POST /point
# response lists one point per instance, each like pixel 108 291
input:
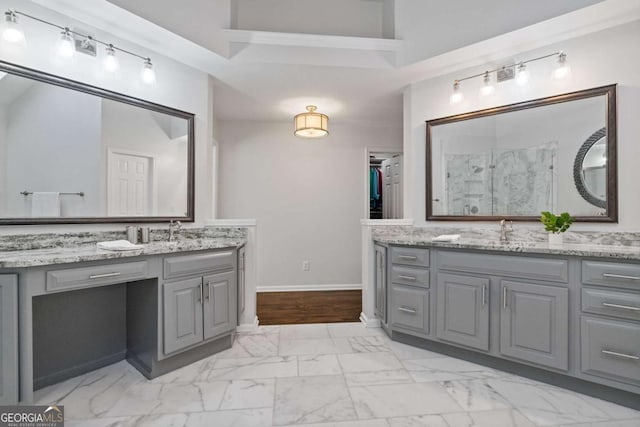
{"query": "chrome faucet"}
pixel 174 227
pixel 505 227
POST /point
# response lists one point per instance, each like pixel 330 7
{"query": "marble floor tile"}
pixel 475 395
pixel 296 332
pixel 294 347
pixel 495 418
pixel 398 400
pixel 305 400
pixel 360 379
pixel 419 421
pixel 439 369
pixel 617 423
pixel 198 371
pixel 323 364
pixel 252 345
pixel 367 362
pixel 249 394
pixel 356 329
pixel 545 405
pixel 369 344
pixel 254 368
pixel 211 393
pixel 406 352
pixel 239 418
pixel 150 398
pixel 360 423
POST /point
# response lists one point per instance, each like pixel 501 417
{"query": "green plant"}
pixel 556 223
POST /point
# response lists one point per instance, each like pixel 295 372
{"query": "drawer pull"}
pixel 408 257
pixel 484 295
pixel 620 276
pixel 407 310
pixel 621 307
pixel 621 355
pixel 504 297
pixel 403 277
pixel 100 276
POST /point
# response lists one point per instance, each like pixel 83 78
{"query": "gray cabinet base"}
pixel 161 367
pixel 599 391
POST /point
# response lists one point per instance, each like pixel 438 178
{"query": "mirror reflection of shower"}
pixel 385 185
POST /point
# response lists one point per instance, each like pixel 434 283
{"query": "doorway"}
pixel 384 172
pixel 128 183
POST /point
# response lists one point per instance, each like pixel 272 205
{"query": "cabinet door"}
pixel 381 282
pixel 241 283
pixel 8 339
pixel 182 314
pixel 534 323
pixel 219 314
pixel 463 310
pixel 409 309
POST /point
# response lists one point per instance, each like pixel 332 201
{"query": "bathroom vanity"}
pixel 72 309
pixel 570 316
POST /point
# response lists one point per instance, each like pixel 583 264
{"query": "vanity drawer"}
pixel 611 274
pixel 611 349
pixel 410 276
pixel 614 303
pixel 548 269
pixel 189 265
pixel 410 308
pixel 410 256
pixel 97 275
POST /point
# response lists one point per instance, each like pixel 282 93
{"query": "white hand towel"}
pixel 119 245
pixel 446 238
pixel 45 205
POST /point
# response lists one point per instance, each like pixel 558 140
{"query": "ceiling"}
pixel 350 74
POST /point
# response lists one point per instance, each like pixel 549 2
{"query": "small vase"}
pixel 555 240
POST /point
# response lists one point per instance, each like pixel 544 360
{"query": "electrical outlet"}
pixel 305 266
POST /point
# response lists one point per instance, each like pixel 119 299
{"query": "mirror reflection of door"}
pixel 385 185
pixel 128 184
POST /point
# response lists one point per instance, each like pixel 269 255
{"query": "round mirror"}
pixel 590 169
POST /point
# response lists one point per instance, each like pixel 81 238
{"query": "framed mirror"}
pixel 553 154
pixel 74 153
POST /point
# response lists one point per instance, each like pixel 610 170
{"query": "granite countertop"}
pixel 89 252
pixel 595 250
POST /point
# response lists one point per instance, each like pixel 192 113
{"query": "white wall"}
pixel 430 28
pixel 53 144
pixel 178 86
pixel 359 18
pixel 606 57
pixel 307 196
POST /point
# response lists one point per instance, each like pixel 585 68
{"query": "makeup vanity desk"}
pixel 72 309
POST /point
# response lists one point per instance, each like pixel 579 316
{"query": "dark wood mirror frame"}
pixel 612 171
pixel 115 96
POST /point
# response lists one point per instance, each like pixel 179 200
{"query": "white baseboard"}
pixel 246 328
pixel 304 288
pixel 369 323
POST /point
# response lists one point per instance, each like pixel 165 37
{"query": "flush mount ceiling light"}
pixel 519 72
pixel 311 124
pixel 66 47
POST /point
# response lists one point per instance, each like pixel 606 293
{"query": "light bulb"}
pixel 12 31
pixel 457 95
pixel 110 60
pixel 563 69
pixel 488 88
pixel 522 74
pixel 66 47
pixel 147 74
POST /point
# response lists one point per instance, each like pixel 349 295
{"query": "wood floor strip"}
pixel 283 308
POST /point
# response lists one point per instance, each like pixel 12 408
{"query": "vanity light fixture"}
pixel 311 124
pixel 519 71
pixel 12 32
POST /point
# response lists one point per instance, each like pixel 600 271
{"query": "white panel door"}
pixel 128 186
pixel 396 182
pixel 387 189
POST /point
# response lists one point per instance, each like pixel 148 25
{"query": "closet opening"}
pixel 385 185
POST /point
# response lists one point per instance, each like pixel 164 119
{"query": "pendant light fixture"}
pixel 148 74
pixel 562 68
pixel 487 88
pixel 65 44
pixel 311 124
pixel 457 95
pixel 11 30
pixel 110 60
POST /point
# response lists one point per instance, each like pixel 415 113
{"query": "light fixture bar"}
pixel 510 66
pixel 85 36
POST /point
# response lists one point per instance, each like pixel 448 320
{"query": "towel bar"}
pixel 79 193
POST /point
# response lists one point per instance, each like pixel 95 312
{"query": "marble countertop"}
pixel 534 247
pixel 89 252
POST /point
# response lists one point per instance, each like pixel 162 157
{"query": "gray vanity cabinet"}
pixel 219 307
pixel 534 323
pixel 183 310
pixel 463 310
pixel 8 339
pixel 241 283
pixel 380 279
